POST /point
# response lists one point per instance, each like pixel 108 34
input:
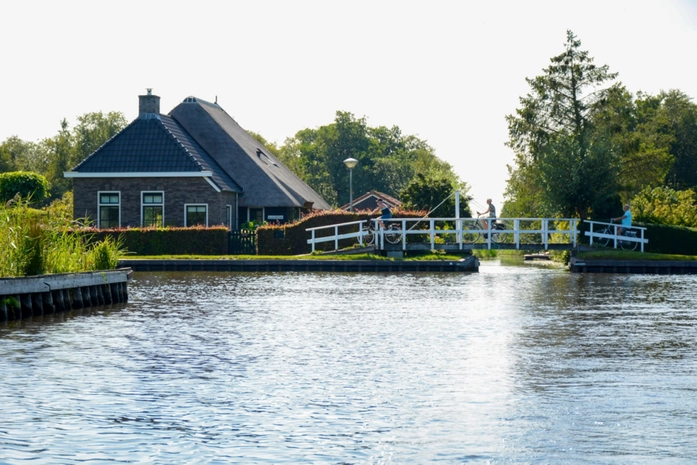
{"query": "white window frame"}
pixel 143 205
pixel 186 208
pixel 228 216
pixel 100 205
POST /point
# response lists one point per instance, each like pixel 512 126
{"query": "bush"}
pixel 21 184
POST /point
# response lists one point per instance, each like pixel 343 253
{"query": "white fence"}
pixel 599 232
pixel 517 232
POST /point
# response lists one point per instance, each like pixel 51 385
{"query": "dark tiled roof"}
pixel 265 180
pixel 154 144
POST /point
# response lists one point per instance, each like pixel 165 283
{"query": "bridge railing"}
pixel 521 232
pixel 599 230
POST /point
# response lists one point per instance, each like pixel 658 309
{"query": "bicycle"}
pixel 473 231
pixel 393 233
pixel 624 245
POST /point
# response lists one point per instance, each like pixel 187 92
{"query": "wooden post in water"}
pixel 77 298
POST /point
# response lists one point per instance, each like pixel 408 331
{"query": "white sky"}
pixel 445 71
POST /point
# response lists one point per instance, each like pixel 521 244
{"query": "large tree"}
pixel 564 165
pixel 387 159
pixel 680 114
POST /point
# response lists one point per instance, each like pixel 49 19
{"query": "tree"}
pixel 387 159
pixel 19 155
pixel 435 195
pixel 664 205
pixel 680 114
pixel 564 166
pixel 68 148
pixel 93 130
pixel 639 134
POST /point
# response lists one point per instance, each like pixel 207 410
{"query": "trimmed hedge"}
pixel 168 241
pixel 291 238
pixel 670 239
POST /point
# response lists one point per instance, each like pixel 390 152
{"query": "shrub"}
pixel 23 184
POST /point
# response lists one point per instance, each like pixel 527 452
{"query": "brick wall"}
pixel 177 192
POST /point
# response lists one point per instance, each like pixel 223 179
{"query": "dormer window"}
pixel 265 158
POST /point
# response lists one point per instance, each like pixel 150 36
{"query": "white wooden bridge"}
pixel 451 234
pixel 459 234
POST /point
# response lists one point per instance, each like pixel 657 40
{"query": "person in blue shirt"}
pixel 385 211
pixel 626 220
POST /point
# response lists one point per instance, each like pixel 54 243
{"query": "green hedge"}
pixel 670 239
pixel 28 185
pixel 291 238
pixel 168 241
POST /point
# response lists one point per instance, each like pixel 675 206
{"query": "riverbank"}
pixel 466 264
pixel 45 294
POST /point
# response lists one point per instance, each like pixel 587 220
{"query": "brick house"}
pixel 195 166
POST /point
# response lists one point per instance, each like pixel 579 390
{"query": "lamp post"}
pixel 350 164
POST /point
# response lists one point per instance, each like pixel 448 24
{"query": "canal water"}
pixel 514 364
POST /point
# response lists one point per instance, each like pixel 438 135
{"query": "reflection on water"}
pixel 514 364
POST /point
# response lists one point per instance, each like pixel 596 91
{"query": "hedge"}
pixel 291 238
pixel 168 241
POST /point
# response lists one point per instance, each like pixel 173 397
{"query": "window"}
pixel 109 210
pixel 153 214
pixel 228 216
pixel 256 215
pixel 196 215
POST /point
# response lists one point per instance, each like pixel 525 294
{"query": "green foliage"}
pixel 428 194
pixel 198 240
pixel 387 159
pixel 105 254
pixel 52 156
pixel 663 205
pixel 667 239
pixel 31 186
pixel 681 116
pixel 38 242
pixel 564 166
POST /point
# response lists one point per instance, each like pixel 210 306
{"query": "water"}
pixel 514 364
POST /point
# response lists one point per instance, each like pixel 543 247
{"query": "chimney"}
pixel 148 104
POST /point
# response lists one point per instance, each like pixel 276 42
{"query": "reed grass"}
pixel 34 242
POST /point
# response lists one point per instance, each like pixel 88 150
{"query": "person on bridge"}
pixel 385 211
pixel 626 220
pixel 490 212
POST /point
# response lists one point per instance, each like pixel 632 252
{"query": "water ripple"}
pixel 514 364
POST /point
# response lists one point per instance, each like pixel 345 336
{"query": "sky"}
pixel 447 72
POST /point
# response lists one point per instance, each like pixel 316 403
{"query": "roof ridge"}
pixel 186 151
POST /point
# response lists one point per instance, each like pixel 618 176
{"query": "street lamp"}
pixel 350 164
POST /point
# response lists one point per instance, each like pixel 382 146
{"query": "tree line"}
pixel 400 165
pixel 584 144
pixel 52 156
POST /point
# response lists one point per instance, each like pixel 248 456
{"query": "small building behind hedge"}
pixel 194 167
